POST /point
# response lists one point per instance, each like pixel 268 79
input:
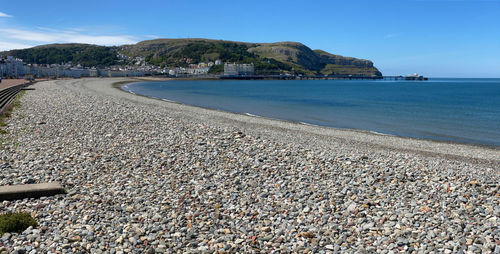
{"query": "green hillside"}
pixel 182 52
pixel 292 57
pixel 84 54
pixel 268 58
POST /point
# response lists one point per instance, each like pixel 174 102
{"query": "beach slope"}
pixel 145 174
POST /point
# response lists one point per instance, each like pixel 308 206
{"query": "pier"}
pixel 419 78
pixel 321 77
pixel 299 77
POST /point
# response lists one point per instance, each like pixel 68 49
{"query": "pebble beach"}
pixel 149 176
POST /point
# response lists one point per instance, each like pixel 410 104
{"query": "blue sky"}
pixel 436 38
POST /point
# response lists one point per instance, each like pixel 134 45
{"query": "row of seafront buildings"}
pixel 192 69
pixel 182 71
pixel 230 69
pixel 11 67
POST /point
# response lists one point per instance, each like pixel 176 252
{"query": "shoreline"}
pixel 328 129
pixel 144 175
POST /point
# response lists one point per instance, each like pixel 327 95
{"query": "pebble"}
pixel 145 176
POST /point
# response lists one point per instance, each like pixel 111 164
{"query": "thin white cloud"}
pixel 46 36
pixel 4 15
pixel 26 35
pixel 5 45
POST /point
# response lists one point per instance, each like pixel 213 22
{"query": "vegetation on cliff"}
pixel 269 58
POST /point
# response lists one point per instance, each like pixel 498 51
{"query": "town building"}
pixel 238 69
pixel 11 67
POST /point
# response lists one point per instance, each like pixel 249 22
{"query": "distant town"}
pixel 11 67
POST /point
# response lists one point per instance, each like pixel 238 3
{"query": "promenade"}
pixel 6 83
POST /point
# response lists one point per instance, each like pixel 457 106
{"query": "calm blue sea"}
pixel 459 110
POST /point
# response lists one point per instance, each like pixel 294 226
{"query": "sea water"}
pixel 458 110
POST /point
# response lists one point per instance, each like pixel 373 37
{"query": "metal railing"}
pixel 7 95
